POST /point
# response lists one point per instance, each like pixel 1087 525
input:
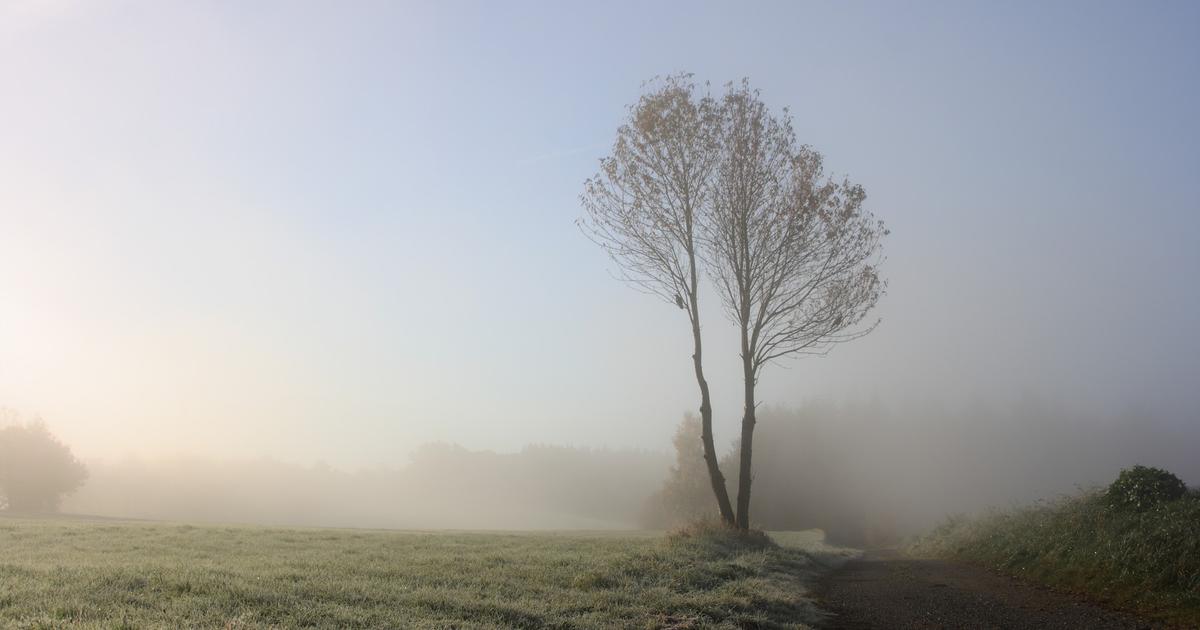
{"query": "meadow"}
pixel 83 573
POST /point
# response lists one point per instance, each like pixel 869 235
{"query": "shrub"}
pixel 1143 488
pixel 1142 554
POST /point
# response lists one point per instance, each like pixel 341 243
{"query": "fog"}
pixel 444 486
pixel 864 472
pixel 257 263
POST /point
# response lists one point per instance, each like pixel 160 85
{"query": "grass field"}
pixel 117 574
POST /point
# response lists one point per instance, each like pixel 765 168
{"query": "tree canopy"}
pixel 36 469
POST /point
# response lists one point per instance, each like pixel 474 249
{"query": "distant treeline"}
pixel 445 486
pixel 865 473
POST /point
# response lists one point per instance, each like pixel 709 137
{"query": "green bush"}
pixel 1144 488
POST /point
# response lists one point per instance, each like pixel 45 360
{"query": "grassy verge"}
pixel 1147 561
pixel 56 573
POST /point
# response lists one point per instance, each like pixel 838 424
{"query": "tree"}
pixel 686 494
pixel 36 469
pixel 644 209
pixel 793 252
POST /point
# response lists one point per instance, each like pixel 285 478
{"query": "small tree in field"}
pixel 645 206
pixel 36 469
pixel 793 252
pixel 685 495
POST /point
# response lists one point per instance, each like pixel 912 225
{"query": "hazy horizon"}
pixel 327 233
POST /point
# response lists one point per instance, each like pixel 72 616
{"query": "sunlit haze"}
pixel 336 232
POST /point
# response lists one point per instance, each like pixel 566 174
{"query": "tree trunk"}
pixel 30 503
pixel 706 434
pixel 744 468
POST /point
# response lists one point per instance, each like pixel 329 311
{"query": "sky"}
pixel 337 231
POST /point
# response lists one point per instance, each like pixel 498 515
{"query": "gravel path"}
pixel 886 591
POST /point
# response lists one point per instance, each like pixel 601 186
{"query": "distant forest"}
pixel 863 472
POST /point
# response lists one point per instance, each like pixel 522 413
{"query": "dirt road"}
pixel 886 591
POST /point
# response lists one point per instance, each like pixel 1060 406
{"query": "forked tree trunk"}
pixel 706 434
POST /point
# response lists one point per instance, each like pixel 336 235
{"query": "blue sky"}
pixel 338 230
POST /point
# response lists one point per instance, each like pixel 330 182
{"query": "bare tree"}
pixel 794 253
pixel 644 208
